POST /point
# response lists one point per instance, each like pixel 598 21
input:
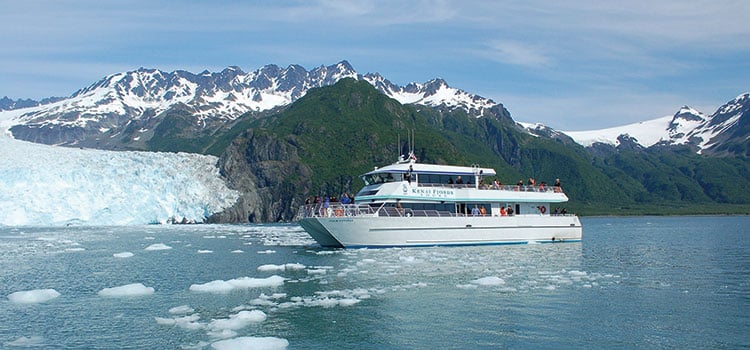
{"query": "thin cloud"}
pixel 517 53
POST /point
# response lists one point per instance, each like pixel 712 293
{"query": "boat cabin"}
pixel 441 190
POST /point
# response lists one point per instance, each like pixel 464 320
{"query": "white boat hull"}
pixel 374 231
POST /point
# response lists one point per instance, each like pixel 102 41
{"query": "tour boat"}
pixel 409 204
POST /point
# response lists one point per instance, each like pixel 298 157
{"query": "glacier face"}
pixel 43 185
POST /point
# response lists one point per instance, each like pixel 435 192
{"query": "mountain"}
pixel 324 140
pixel 724 133
pixel 128 110
pixel 6 104
pixel 285 134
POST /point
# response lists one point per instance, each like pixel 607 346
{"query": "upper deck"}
pixel 414 182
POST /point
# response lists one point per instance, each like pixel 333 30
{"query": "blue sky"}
pixel 572 65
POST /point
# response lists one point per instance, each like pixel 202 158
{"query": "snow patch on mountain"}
pixel 648 133
pixel 686 127
pixel 145 93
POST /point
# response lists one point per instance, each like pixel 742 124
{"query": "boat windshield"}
pixel 379 178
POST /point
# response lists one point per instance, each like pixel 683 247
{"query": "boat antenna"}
pixel 413 141
pixel 398 147
pixel 412 156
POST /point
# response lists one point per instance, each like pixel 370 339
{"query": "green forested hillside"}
pixel 341 131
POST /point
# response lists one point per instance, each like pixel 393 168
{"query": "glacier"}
pixel 42 185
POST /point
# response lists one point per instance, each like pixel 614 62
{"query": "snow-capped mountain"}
pixel 126 104
pixel 707 134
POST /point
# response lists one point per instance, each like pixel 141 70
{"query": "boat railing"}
pixel 334 209
pixel 321 210
pixel 515 188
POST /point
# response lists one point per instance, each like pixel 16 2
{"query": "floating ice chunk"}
pixel 237 321
pixel 32 341
pixel 271 267
pixel 247 282
pixel 260 343
pixel 285 267
pixel 182 309
pixel 489 281
pixel 128 290
pixel 123 255
pixel 188 322
pixel 33 296
pixel 158 246
pixel 217 286
pixel 220 286
pixel 203 251
pixel 407 259
pixel 295 266
pixel 348 301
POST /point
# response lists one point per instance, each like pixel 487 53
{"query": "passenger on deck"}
pixel 324 209
pixel 345 199
pixel 450 181
pixel 475 211
pixel 483 211
pixel 496 185
pixel 503 212
pixel 458 180
pixel 557 185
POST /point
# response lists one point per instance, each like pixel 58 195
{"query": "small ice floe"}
pixel 220 286
pixel 128 290
pixel 33 296
pixel 408 259
pixel 285 267
pixel 181 310
pixel 189 322
pixel 205 251
pixel 267 300
pixel 158 246
pixel 489 281
pixel 24 342
pixel 467 286
pixel 266 343
pixel 237 321
pixel 123 255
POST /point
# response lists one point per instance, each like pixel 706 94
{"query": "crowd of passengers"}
pixel 520 186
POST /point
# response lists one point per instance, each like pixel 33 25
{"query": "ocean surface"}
pixel 640 282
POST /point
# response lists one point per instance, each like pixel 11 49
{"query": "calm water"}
pixel 648 282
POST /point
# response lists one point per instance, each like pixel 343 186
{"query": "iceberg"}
pixel 45 185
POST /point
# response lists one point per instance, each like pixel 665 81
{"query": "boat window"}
pixel 379 178
pixel 430 206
